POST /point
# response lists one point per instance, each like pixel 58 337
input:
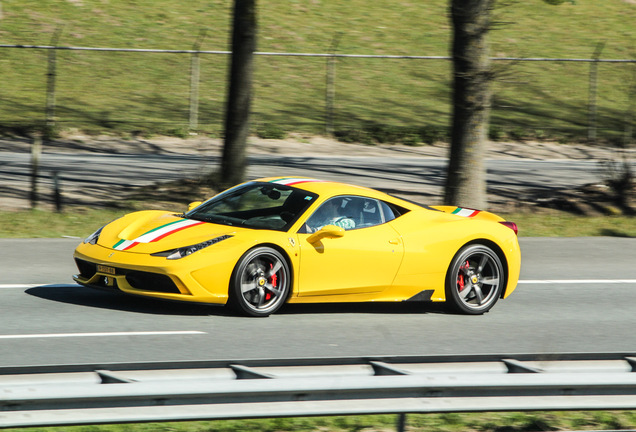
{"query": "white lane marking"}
pixel 43 285
pixel 70 335
pixel 579 281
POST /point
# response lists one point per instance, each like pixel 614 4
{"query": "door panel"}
pixel 363 260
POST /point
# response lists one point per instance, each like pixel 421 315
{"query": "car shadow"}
pixel 88 297
pixel 398 308
pixel 95 298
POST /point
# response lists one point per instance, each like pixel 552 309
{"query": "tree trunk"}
pixel 466 176
pixel 239 99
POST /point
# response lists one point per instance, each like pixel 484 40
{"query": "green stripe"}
pixel 162 226
pixel 457 210
pixel 148 232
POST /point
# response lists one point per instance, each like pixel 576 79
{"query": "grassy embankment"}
pixel 386 100
pixel 376 99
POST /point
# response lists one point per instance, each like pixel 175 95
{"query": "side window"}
pixel 388 212
pixel 351 212
pixel 370 213
pixel 336 211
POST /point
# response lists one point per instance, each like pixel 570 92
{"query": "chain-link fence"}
pixel 178 91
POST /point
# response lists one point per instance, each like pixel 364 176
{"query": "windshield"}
pixel 255 205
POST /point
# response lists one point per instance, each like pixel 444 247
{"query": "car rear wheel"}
pixel 475 279
pixel 260 282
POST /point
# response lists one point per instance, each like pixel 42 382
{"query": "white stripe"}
pixel 465 212
pixel 295 180
pixel 147 238
pixel 124 245
pixel 579 281
pixel 70 335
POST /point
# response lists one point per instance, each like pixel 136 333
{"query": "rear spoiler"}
pixel 476 214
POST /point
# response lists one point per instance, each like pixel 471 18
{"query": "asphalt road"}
pixel 576 295
pixel 86 177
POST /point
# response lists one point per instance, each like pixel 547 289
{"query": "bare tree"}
pixel 237 120
pixel 465 181
pixel 472 95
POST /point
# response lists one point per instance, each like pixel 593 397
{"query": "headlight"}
pixel 92 239
pixel 173 254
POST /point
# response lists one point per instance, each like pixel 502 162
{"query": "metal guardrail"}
pixel 144 392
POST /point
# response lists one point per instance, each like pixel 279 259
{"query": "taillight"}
pixel 512 226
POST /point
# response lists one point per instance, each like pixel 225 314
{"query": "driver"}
pixel 329 214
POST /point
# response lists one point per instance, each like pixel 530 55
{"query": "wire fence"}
pixel 170 91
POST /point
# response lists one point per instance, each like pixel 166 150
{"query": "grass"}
pixel 567 225
pixel 133 92
pixel 450 422
pixel 80 222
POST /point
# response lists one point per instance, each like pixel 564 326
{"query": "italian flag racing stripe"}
pixel 293 181
pixel 157 234
pixel 465 212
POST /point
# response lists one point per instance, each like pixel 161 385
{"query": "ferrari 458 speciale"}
pixel 272 241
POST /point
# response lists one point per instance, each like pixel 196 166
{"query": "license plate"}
pixel 106 269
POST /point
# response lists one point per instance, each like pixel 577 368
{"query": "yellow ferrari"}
pixel 270 241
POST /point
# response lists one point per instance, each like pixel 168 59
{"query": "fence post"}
pixel 50 85
pixel 593 84
pixel 36 151
pixel 194 83
pixel 630 114
pixel 330 95
pixel 57 192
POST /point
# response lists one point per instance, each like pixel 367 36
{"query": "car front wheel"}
pixel 475 279
pixel 260 282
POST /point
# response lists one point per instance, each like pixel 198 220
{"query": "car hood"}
pixel 157 231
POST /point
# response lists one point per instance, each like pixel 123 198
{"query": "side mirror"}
pixel 194 204
pixel 329 231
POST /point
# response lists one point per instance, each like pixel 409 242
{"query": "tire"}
pixel 260 282
pixel 475 279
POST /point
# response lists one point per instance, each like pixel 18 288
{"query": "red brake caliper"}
pixel 460 277
pixel 273 280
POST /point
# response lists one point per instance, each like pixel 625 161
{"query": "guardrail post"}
pixel 401 423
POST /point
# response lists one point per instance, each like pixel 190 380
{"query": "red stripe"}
pixel 131 246
pixel 301 181
pixel 174 231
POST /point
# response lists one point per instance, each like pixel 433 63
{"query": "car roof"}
pixel 327 188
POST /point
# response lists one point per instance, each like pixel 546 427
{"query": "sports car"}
pixel 280 240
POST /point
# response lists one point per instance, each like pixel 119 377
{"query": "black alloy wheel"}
pixel 260 283
pixel 475 279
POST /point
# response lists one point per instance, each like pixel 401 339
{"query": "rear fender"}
pixel 469 213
